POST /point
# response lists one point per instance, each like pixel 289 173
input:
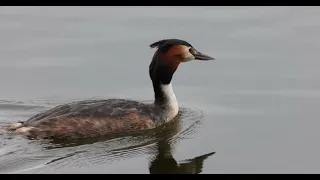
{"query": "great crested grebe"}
pixel 92 118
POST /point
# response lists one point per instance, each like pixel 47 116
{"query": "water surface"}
pixel 252 110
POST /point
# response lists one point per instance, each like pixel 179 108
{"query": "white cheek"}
pixel 188 58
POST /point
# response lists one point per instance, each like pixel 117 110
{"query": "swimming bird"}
pixel 93 118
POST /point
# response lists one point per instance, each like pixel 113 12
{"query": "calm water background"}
pixel 257 104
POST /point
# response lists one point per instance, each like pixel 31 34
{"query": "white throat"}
pixel 170 103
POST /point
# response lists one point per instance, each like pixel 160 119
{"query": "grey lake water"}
pixel 255 109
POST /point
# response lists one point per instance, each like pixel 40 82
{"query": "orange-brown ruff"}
pixel 92 118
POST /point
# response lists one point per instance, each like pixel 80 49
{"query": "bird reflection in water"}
pixel 164 162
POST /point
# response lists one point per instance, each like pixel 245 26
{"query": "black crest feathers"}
pixel 165 44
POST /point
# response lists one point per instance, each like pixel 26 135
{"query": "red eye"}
pixel 192 51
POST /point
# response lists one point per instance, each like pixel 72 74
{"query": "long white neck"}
pixel 168 101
